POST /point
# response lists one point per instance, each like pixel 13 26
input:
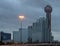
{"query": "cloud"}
pixel 56 35
pixel 10 4
pixel 54 3
pixel 35 3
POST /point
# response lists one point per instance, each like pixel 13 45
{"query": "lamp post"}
pixel 21 17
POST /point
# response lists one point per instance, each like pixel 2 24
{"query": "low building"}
pixel 17 36
pixel 5 37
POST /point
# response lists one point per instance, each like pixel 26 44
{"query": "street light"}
pixel 21 17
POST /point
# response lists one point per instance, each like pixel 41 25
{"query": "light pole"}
pixel 21 17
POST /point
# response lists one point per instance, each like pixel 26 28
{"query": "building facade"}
pixel 17 36
pixel 38 32
pixel 5 37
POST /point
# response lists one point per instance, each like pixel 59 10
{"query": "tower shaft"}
pixel 48 10
pixel 48 17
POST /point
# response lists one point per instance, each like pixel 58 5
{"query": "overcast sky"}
pixel 32 10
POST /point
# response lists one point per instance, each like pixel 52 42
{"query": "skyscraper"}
pixel 37 30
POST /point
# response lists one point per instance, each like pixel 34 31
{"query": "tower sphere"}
pixel 48 9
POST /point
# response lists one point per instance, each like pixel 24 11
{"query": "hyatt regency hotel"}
pixel 39 31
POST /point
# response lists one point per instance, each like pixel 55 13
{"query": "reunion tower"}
pixel 48 10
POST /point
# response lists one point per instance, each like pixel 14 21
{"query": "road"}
pixel 42 44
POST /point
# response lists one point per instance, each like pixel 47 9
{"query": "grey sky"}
pixel 32 10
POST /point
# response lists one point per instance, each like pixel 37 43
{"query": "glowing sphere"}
pixel 48 9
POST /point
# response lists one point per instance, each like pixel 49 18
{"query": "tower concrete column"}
pixel 48 10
